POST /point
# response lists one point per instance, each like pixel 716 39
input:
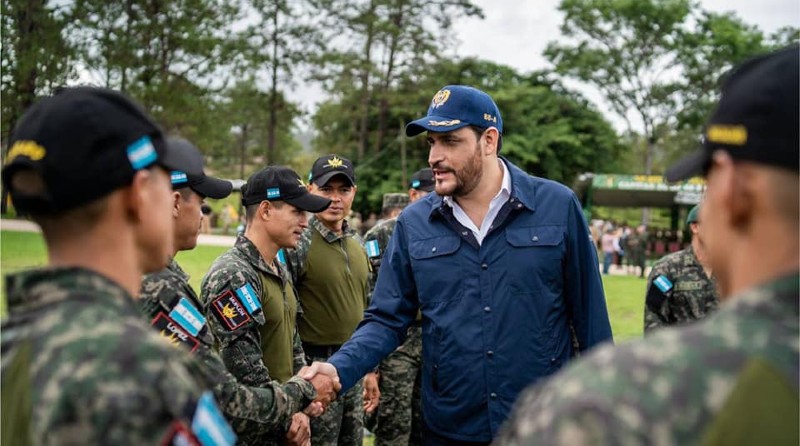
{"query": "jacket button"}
pixel 484 266
pixel 493 395
pixel 535 238
pixel 489 353
pixel 464 233
pixel 553 360
pixel 487 309
pixel 433 249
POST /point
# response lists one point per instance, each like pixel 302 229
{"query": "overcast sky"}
pixel 516 32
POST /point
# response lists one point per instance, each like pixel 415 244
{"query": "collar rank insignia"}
pixel 172 332
pixel 230 311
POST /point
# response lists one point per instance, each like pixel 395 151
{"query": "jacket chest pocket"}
pixel 535 257
pixel 437 268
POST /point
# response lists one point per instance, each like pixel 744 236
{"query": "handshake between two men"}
pixel 325 379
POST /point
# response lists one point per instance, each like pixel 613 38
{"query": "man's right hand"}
pixel 324 378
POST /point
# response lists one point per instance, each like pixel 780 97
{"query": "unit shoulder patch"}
pixel 230 310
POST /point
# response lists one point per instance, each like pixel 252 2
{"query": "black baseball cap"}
pixel 328 166
pixel 757 118
pixel 278 183
pixel 84 142
pixel 423 180
pixel 203 184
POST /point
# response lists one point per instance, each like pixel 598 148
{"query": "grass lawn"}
pixel 19 250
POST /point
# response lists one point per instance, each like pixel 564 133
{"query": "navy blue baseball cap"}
pixel 457 106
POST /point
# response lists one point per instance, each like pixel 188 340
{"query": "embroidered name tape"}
pixel 373 250
pixel 248 296
pixel 209 425
pixel 230 310
pixel 141 153
pixel 172 332
pixel 188 317
pixel 662 283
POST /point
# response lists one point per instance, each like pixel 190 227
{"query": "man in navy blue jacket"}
pixel 502 267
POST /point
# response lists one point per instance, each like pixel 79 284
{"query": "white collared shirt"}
pixel 494 208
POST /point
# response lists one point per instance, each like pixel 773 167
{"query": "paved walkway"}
pixel 27 226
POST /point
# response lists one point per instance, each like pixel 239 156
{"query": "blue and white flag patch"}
pixel 373 250
pixel 248 297
pixel 141 153
pixel 662 283
pixel 188 317
pixel 281 256
pixel 208 424
pixel 415 184
pixel 178 177
pixel 273 192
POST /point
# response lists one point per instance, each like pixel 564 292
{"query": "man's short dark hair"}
pixel 479 132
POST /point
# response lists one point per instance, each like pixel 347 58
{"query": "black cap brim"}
pixel 309 202
pixel 212 187
pixel 688 167
pixel 324 178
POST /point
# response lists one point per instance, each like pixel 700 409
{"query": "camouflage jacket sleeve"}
pixel 233 324
pixel 299 356
pixel 375 242
pixel 256 413
pixel 659 288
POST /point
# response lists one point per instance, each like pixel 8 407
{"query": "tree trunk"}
pixel 273 96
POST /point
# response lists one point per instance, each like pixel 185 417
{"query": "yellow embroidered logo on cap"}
pixel 727 134
pixel 335 162
pixel 444 123
pixel 302 184
pixel 440 98
pixel 26 148
pixel 488 117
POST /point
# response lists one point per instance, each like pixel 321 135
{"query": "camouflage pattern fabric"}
pixel 668 388
pixel 98 374
pixel 258 414
pixel 399 416
pixel 342 423
pixel 397 420
pixel 678 291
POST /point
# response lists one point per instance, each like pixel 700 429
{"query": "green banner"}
pixel 646 183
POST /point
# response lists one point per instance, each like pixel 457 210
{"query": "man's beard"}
pixel 467 179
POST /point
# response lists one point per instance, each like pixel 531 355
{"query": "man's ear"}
pixel 492 137
pixel 734 188
pixel 176 203
pixel 135 196
pixel 264 210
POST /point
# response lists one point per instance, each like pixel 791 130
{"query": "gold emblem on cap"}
pixel 26 148
pixel 727 134
pixel 335 162
pixel 302 184
pixel 440 98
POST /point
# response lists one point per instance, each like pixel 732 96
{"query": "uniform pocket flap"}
pixel 535 236
pixel 433 247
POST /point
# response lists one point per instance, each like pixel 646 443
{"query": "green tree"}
pixel 35 56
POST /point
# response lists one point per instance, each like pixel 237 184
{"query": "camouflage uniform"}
pixel 397 421
pixel 343 420
pixel 96 373
pixel 242 347
pixel 708 381
pixel 678 291
pixel 262 413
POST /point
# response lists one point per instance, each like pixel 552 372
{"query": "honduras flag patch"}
pixel 662 283
pixel 187 316
pixel 248 297
pixel 209 425
pixel 373 250
pixel 141 153
pixel 281 256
